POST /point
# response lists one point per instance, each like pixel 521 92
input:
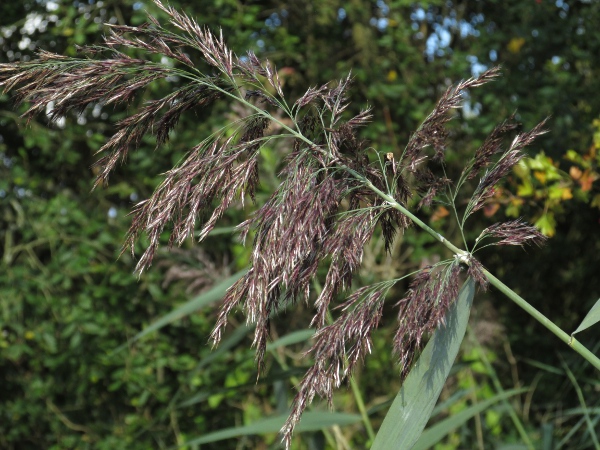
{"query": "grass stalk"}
pixel 557 331
pixel 361 407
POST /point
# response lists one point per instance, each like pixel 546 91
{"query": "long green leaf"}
pixel 413 405
pixel 578 412
pixel 311 421
pixel 206 298
pixel 292 338
pixel 454 398
pixel 278 375
pixel 590 319
pixel 219 231
pixel 437 432
pixel 232 340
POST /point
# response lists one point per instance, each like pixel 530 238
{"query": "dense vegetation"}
pixel 69 304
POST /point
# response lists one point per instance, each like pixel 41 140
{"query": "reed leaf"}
pixel 413 405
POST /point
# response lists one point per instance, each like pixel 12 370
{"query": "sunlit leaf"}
pixel 587 180
pixel 525 189
pixel 439 213
pixel 540 176
pixel 491 208
pixel 575 157
pixel 592 317
pixel 414 404
pixel 546 224
pixel 575 172
pixel 515 44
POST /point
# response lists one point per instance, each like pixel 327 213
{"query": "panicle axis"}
pixel 330 201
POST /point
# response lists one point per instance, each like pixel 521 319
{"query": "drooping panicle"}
pixel 423 309
pixel 157 41
pixel 432 131
pixel 310 95
pixel 158 117
pixel 344 245
pixel 289 230
pixel 213 48
pixel 491 146
pixel 513 232
pixel 337 349
pixel 218 171
pixel 60 84
pixel 485 189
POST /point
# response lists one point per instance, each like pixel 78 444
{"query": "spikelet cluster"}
pixel 325 209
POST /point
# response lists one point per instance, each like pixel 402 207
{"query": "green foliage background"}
pixel 67 302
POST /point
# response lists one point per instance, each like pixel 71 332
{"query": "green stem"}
pixel 394 204
pixel 567 339
pixel 362 409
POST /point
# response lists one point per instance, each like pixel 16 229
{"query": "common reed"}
pixel 334 190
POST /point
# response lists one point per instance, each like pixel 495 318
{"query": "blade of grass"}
pixel 413 405
pixel 218 231
pixel 189 307
pixel 511 447
pixel 591 318
pixel 238 334
pixel 311 421
pixel 437 432
pixel 499 389
pixel 556 371
pixel 584 407
pixel 574 429
pixel 454 398
pixel 547 436
pixel 579 411
pixel 293 338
